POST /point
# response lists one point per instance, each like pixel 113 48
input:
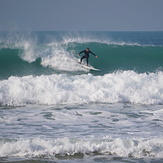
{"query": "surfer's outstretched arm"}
pixel 81 52
pixel 93 54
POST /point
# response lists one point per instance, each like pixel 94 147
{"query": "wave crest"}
pixel 79 148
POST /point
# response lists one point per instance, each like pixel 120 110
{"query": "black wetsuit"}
pixel 86 55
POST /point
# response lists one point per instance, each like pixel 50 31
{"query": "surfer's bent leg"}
pixel 87 60
pixel 82 58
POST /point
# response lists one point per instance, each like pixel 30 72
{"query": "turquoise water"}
pixel 51 52
pixel 54 110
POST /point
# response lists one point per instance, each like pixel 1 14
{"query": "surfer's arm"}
pixel 81 52
pixel 93 54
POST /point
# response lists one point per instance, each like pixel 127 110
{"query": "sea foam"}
pixel 60 147
pixel 123 86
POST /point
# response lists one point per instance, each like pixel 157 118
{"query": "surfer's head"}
pixel 87 49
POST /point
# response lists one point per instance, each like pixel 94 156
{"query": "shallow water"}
pixel 94 132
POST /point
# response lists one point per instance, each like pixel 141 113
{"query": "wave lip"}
pixel 125 86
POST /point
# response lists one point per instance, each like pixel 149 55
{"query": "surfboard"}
pixel 89 67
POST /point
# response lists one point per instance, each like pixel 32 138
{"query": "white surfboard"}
pixel 88 67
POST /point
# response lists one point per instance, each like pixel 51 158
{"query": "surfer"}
pixel 86 55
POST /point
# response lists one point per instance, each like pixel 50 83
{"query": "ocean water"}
pixel 54 110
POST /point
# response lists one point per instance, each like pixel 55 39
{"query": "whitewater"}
pixel 54 110
pixel 126 86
